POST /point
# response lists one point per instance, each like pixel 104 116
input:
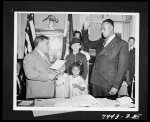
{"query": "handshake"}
pixel 54 70
pixel 53 74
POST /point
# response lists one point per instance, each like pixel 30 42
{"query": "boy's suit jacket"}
pixel 110 64
pixel 36 70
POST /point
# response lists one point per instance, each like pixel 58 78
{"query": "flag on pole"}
pixel 29 34
pixel 70 27
pixel 64 46
pixel 68 35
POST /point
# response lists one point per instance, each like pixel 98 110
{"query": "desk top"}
pixel 80 101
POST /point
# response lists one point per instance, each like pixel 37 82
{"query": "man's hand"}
pixel 113 91
pixel 86 25
pixel 52 75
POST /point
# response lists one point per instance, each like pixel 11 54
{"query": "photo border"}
pixel 8 29
pixel 15 107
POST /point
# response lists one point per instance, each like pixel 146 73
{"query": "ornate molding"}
pixel 47 32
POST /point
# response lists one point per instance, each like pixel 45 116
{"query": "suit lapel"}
pixel 108 46
pixel 40 58
pixel 48 61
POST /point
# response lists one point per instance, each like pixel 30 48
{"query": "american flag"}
pixel 68 35
pixel 29 34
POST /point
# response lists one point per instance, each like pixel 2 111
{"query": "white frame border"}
pixel 15 107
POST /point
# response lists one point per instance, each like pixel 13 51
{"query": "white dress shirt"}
pixel 131 48
pixel 109 39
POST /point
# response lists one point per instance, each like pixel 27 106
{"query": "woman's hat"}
pixel 75 40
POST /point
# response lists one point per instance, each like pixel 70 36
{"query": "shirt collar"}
pixel 131 48
pixel 109 39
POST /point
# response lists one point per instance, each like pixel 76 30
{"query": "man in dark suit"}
pixel 131 64
pixel 111 60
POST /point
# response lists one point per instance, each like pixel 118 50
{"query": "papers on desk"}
pixel 125 102
pixel 43 102
pixel 127 105
pixel 47 102
pixel 25 103
pixel 108 102
pixel 85 100
pixel 58 64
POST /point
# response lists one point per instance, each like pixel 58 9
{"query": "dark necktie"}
pixel 104 43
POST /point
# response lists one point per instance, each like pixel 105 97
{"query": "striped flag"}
pixel 29 34
pixel 70 27
pixel 68 35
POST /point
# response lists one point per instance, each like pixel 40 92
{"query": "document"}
pixel 58 64
pixel 25 103
pixel 108 102
pixel 44 113
pixel 124 100
pixel 44 103
pixel 85 100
